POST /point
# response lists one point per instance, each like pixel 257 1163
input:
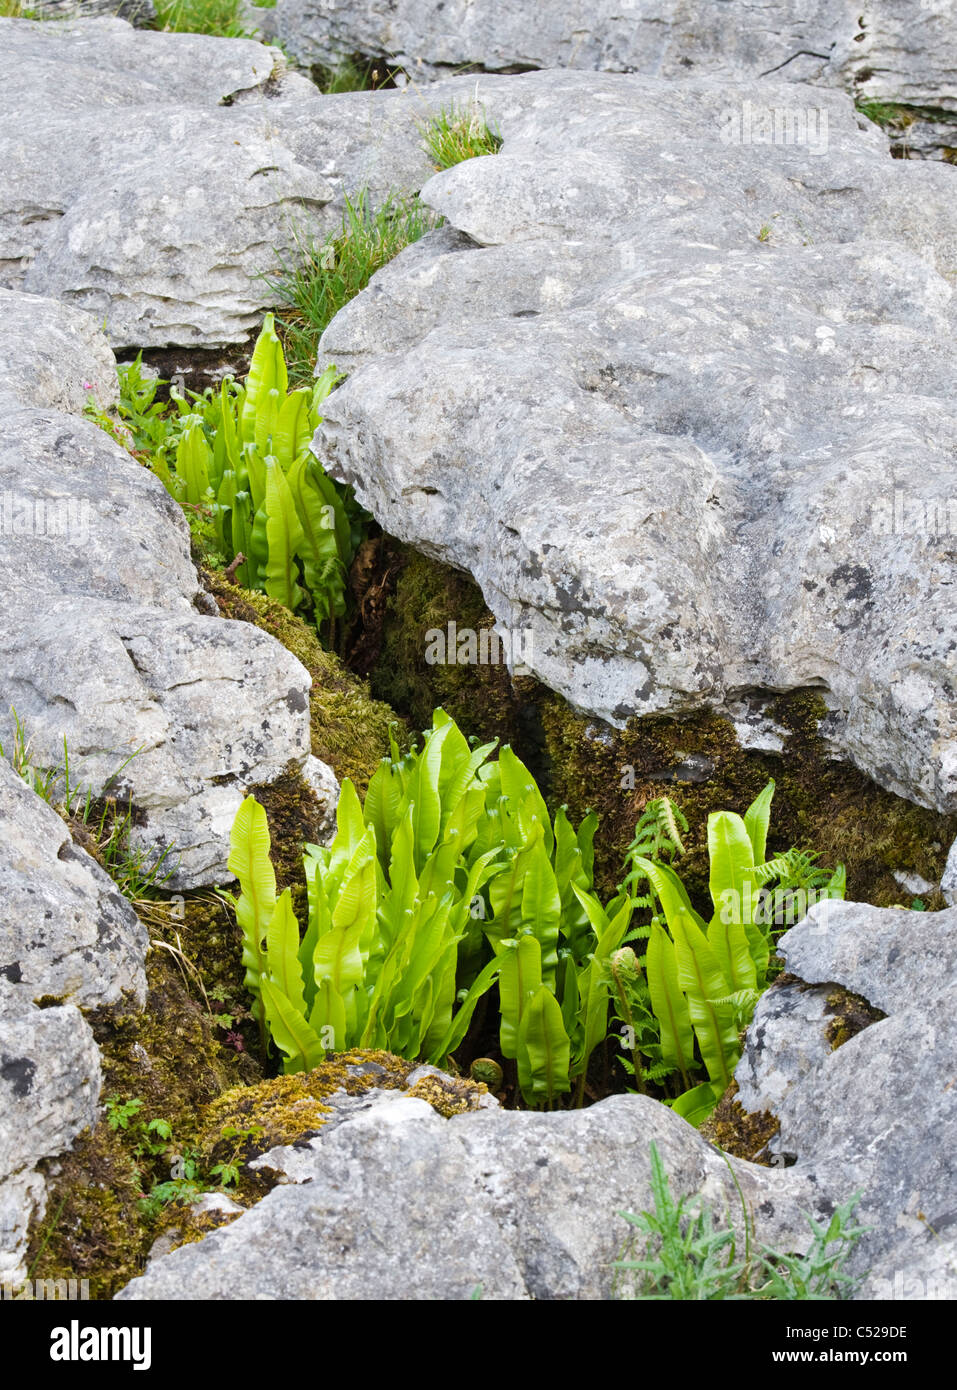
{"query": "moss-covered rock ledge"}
pixel 101 1222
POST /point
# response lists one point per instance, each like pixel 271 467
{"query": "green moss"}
pixel 288 1109
pixel 819 804
pixel 181 1223
pixel 350 729
pixel 449 1095
pixel 281 1111
pixel 739 1133
pixel 482 699
pixel 170 1057
pixel 92 1227
pixel 850 1015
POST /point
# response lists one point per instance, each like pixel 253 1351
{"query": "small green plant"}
pixel 324 276
pixel 227 1170
pixel 40 780
pixel 243 454
pixel 238 462
pixel 688 1254
pixel 101 824
pixel 457 134
pixel 695 989
pixel 352 75
pixel 144 424
pixel 151 1151
pixel 120 1114
pixel 451 877
pixel 221 18
pixel 889 115
pixel 146 1141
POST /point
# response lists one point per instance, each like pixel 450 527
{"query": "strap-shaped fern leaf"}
pixel 250 863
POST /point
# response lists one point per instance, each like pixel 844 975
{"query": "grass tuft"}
pixel 100 825
pixel 313 288
pixel 221 18
pixel 888 114
pixel 453 136
pixel 353 75
pixel 688 1254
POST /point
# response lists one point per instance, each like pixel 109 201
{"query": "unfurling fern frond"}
pixel 658 838
pixel 670 818
pixel 774 868
pixel 740 1000
pixel 658 832
pixel 795 869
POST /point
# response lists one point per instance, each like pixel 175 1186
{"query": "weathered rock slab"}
pixel 890 956
pixel 101 644
pixel 68 941
pixel 398 1203
pixel 53 356
pixel 66 934
pixel 140 13
pixel 886 51
pixel 98 63
pixel 786 1039
pixel 155 179
pixel 948 883
pixel 49 1087
pixel 682 406
pixel 877 1112
pixel 880 1116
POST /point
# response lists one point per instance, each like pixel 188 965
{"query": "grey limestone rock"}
pixel 68 941
pixel 884 50
pixel 878 1113
pixel 681 403
pixel 159 180
pixel 397 1203
pixel 102 644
